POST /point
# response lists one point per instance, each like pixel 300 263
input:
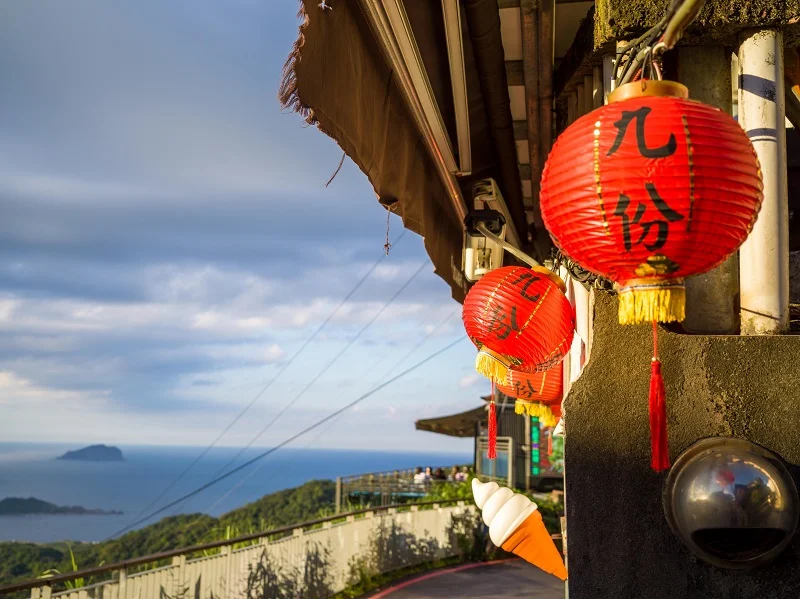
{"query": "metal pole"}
pixel 764 257
pixel 531 77
pixel 338 494
pixel 609 75
pixel 529 445
pixel 572 107
pixel 580 106
pixel 597 87
pixel 588 90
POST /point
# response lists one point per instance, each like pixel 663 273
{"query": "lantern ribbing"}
pixel 518 318
pixel 648 190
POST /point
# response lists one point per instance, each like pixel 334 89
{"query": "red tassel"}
pixel 658 412
pixel 492 453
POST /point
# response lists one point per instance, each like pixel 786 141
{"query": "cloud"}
pixel 469 380
pixel 169 246
pixel 15 390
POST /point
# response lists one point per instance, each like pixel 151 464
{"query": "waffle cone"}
pixel 532 542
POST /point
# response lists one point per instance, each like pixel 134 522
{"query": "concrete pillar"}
pixel 712 298
pixel 764 257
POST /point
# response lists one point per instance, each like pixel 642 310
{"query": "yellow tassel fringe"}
pixel 639 305
pixel 541 411
pixel 491 365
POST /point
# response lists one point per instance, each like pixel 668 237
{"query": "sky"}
pixel 167 244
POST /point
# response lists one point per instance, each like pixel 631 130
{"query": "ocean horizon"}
pixel 31 470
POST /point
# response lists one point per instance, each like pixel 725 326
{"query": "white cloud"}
pixel 15 390
pixel 469 380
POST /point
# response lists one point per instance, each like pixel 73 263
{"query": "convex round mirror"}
pixel 732 502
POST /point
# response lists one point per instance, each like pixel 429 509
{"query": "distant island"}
pixel 17 506
pixel 94 453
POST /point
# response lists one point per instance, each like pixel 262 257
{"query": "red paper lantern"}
pixel 518 317
pixel 545 387
pixel 537 394
pixel 648 190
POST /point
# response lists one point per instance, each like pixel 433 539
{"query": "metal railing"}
pixel 382 488
pixel 223 574
pixel 501 469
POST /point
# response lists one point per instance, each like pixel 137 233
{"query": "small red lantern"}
pixel 518 317
pixel 537 394
pixel 648 190
pixel 547 386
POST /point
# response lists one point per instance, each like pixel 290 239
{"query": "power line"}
pixel 269 384
pixel 254 470
pixel 335 420
pixel 292 438
pixel 325 369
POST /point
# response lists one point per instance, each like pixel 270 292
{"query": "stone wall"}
pixel 620 544
pixel 719 22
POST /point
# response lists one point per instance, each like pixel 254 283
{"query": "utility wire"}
pixel 292 438
pixel 252 472
pixel 324 370
pixel 269 384
pixel 335 420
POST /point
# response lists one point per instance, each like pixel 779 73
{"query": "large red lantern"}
pixel 648 190
pixel 518 317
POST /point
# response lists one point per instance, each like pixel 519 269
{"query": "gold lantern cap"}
pixel 649 87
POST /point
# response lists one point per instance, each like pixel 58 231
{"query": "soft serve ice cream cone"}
pixel 516 525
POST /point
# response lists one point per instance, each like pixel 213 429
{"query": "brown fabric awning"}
pixel 338 80
pixel 455 425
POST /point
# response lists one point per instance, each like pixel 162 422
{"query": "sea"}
pixel 31 470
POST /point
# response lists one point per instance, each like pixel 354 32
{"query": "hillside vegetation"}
pixel 313 500
pixel 21 561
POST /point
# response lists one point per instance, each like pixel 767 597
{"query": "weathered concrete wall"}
pixel 620 545
pixel 720 21
pixel 712 299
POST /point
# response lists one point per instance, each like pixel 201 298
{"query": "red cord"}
pixel 492 453
pixel 659 445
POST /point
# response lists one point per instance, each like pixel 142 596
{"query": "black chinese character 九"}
pixel 640 115
pixel 498 324
pixel 529 279
pixel 662 225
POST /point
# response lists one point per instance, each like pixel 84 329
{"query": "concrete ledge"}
pixel 619 542
pixel 719 22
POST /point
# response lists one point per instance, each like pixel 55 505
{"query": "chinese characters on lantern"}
pixel 660 225
pixel 524 391
pixel 501 323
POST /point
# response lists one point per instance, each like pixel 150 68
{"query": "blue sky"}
pixel 167 242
